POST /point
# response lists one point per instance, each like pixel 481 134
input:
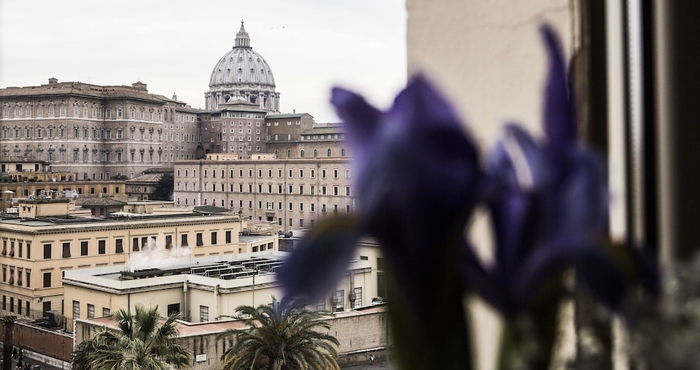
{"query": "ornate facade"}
pixel 95 132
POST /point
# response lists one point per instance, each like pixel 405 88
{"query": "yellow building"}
pixel 37 252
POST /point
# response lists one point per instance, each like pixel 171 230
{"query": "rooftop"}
pixel 13 222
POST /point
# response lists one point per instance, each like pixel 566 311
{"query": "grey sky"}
pixel 173 45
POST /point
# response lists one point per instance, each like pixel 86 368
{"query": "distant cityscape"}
pixel 82 237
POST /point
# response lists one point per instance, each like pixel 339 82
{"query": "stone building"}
pixel 95 132
pixel 292 192
pixel 242 75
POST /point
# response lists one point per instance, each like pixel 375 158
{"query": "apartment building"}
pixel 37 251
pixel 292 192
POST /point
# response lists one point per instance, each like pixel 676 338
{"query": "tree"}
pixel 280 338
pixel 164 187
pixel 139 344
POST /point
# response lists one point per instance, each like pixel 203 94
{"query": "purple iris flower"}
pixel 549 206
pixel 417 179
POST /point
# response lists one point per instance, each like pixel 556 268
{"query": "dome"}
pixel 241 65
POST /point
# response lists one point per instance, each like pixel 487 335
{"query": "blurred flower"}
pixel 549 206
pixel 417 178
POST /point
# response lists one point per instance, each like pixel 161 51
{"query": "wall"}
pixel 55 345
pixel 488 59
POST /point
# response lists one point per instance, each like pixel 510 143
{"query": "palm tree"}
pixel 280 338
pixel 140 344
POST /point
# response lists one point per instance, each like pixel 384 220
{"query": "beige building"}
pixel 37 252
pixel 209 288
pixel 361 333
pixel 294 193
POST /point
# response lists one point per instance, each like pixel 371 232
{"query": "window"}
pixel 84 248
pixel 183 241
pixel 119 246
pixel 347 191
pixel 29 281
pixel 228 237
pixel 339 299
pixel 47 252
pixel 135 244
pixel 358 298
pixel 76 309
pixel 101 246
pixel 174 309
pixel 203 313
pixel 213 238
pixel 105 311
pixel 168 241
pixel 47 280
pixel 91 311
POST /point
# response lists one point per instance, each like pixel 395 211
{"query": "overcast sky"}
pixel 173 45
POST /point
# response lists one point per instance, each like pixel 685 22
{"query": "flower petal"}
pixel 489 285
pixel 580 203
pixel 361 121
pixel 517 161
pixel 559 121
pixel 320 260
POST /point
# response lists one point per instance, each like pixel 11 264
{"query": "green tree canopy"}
pixel 280 338
pixel 164 188
pixel 139 344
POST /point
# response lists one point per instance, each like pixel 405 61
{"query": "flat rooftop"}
pixel 122 218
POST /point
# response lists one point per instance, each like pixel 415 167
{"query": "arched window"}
pixel 315 153
pixel 342 152
pixel 302 153
pixel 289 153
pixel 329 152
